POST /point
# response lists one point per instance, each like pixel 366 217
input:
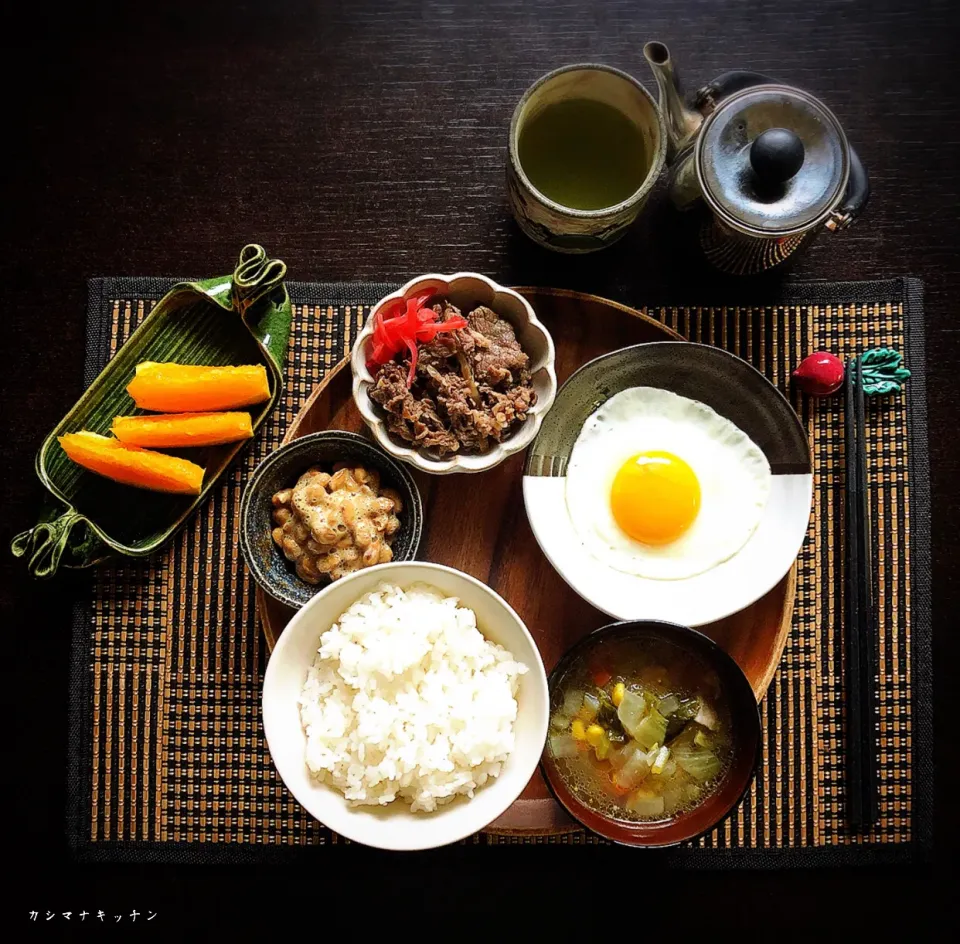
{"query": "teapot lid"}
pixel 772 160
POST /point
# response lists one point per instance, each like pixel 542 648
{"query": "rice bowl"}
pixel 460 777
pixel 407 700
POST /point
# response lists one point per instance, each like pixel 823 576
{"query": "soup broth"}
pixel 639 729
pixel 583 154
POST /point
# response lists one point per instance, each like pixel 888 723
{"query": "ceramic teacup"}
pixel 566 228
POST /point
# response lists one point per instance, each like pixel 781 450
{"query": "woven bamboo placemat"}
pixel 168 759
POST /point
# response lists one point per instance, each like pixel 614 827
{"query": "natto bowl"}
pixel 281 469
pixel 746 734
pixel 466 290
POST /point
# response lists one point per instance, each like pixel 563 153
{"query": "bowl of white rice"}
pixel 406 706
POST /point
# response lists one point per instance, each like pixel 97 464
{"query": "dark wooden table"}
pixel 365 140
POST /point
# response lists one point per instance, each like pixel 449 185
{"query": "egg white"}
pixel 732 470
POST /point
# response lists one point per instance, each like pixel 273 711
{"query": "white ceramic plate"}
pixel 394 826
pixel 735 390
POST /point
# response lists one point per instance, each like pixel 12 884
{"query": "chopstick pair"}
pixel 860 621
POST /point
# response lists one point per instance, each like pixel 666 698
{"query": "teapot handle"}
pixel 855 199
pixel 728 84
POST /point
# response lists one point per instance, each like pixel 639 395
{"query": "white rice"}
pixel 407 699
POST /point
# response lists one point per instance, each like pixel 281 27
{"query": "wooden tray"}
pixel 484 531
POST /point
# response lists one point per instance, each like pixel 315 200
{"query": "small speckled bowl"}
pixel 466 290
pixel 281 469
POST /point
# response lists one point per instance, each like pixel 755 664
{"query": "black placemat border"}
pixel 921 595
pixel 918 850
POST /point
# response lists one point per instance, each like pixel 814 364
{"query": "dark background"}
pixel 367 141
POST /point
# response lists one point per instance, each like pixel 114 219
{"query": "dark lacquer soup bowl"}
pixel 641 652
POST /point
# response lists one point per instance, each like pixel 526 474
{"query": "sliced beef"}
pixel 510 407
pixel 437 352
pixel 471 423
pixel 390 389
pixel 471 388
pixel 496 355
pixel 412 419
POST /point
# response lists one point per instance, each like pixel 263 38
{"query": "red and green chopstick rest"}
pixel 821 373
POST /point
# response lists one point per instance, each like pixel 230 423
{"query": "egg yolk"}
pixel 655 497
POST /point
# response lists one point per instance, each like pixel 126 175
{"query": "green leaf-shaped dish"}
pixel 242 318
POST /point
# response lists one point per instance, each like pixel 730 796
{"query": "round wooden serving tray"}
pixel 477 524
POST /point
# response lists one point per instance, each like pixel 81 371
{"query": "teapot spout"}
pixel 682 122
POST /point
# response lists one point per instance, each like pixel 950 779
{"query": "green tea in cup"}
pixel 583 153
pixel 587 143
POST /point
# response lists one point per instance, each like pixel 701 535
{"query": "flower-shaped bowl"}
pixel 466 290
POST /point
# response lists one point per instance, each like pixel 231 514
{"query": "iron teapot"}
pixel 770 161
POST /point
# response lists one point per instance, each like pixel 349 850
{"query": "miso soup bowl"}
pixel 746 732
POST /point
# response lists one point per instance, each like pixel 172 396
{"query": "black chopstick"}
pixel 851 574
pixel 868 620
pixel 860 622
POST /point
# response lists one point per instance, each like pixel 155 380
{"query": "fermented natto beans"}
pixel 334 524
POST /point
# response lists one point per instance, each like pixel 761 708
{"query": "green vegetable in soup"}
pixel 631 712
pixel 620 755
pixel 563 745
pixel 590 708
pixel 668 705
pixel 607 713
pixel 701 764
pixel 688 735
pixel 616 734
pixel 633 770
pixel 686 710
pixel 651 730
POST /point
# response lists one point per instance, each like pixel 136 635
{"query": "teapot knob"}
pixel 776 155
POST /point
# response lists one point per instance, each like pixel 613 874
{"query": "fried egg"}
pixel 662 486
